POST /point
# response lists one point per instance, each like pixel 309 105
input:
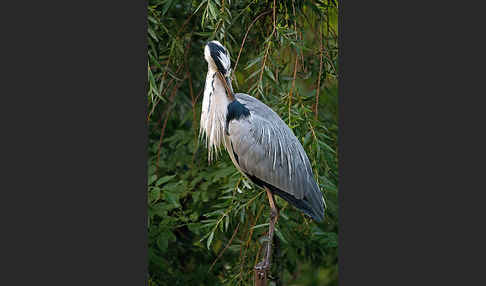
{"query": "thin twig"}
pixel 243 254
pixel 174 91
pixel 331 63
pixel 166 69
pixel 296 60
pixel 264 60
pixel 329 29
pixel 157 99
pixel 183 25
pixel 274 19
pixel 227 245
pixel 268 45
pixel 302 65
pixel 246 34
pixel 169 109
pixel 194 119
pixel 320 69
pixel 259 248
pixel 293 82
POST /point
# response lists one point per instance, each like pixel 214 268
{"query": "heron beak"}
pixel 229 93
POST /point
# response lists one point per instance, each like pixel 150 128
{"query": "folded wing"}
pixel 267 151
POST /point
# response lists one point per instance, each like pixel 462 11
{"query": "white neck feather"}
pixel 213 113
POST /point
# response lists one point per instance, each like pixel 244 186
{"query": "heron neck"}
pixel 214 111
pixel 216 92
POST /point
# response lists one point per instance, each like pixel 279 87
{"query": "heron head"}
pixel 218 57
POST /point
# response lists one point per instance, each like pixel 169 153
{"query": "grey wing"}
pixel 266 149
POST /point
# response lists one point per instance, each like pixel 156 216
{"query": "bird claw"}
pixel 262 266
pixel 274 214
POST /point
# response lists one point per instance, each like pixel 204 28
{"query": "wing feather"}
pixel 268 150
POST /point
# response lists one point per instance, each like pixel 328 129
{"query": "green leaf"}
pixel 253 62
pixel 151 169
pixel 152 179
pixel 152 34
pixel 164 180
pixel 260 225
pixel 246 184
pixel 280 235
pixel 269 73
pixel 198 7
pixel 163 242
pixel 226 223
pixel 212 10
pixel 210 239
pixel 152 19
pixel 160 209
pixel 214 213
pixel 204 237
pixel 307 139
pixel 173 199
pixel 167 5
pixel 194 216
pixel 326 146
pixel 154 194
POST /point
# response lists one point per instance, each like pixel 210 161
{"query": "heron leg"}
pixel 265 264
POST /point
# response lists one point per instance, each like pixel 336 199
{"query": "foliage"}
pixel 207 222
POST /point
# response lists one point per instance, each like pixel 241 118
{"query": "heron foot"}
pixel 274 214
pixel 263 265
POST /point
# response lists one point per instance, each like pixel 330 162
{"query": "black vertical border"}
pixel 414 78
pixel 341 147
pixel 73 205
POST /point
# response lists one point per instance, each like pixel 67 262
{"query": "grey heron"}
pixel 258 141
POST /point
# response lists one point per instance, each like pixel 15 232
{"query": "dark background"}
pixel 74 143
